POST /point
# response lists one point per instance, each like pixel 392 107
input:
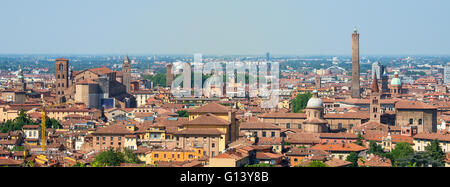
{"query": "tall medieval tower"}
pixel 375 105
pixel 355 65
pixel 62 79
pixel 126 73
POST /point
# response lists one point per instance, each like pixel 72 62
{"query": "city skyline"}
pixel 230 28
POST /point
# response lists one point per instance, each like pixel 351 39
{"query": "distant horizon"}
pixel 216 55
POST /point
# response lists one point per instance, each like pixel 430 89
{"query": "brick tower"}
pixel 62 79
pixel 126 73
pixel 355 65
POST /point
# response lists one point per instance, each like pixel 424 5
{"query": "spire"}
pixel 355 30
pixel 375 88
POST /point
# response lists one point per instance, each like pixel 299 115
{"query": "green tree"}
pixel 109 157
pixel 353 158
pixel 130 157
pixel 79 164
pixel 360 139
pixel 18 148
pixel 402 154
pixel 158 79
pixel 17 124
pixel 52 123
pixel 434 152
pixel 300 102
pixel 112 157
pixel 376 149
pixel 23 119
pixel 182 113
pixel 316 164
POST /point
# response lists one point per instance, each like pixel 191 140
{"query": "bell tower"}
pixel 126 73
pixel 62 79
pixel 375 106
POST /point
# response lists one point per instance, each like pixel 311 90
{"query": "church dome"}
pixel 315 101
pixel 396 80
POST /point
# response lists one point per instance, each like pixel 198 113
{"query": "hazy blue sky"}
pixel 223 27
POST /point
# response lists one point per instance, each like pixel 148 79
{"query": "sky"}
pixel 224 27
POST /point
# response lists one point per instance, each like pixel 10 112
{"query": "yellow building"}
pixel 422 140
pixel 214 115
pixel 170 155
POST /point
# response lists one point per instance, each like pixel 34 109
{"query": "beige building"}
pixel 336 122
pixel 211 140
pixel 416 114
pixel 422 140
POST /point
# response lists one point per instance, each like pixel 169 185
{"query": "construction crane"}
pixel 44 117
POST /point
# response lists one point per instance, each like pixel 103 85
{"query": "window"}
pixel 213 145
pixel 104 138
pixel 420 121
pixel 340 126
pixel 255 134
pixel 155 155
pixel 288 125
pixel 411 121
pixel 212 154
pixel 273 134
pixel 299 126
pixel 264 134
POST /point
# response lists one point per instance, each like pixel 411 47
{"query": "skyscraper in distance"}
pixel 187 78
pixel 355 66
pixel 169 75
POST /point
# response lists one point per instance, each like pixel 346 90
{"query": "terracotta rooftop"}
pixel 404 104
pixel 338 135
pixel 303 138
pixel 208 119
pixel 339 147
pixel 433 136
pixel 263 155
pixel 375 161
pixel 198 131
pixel 101 70
pixel 337 163
pixel 112 129
pixel 210 108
